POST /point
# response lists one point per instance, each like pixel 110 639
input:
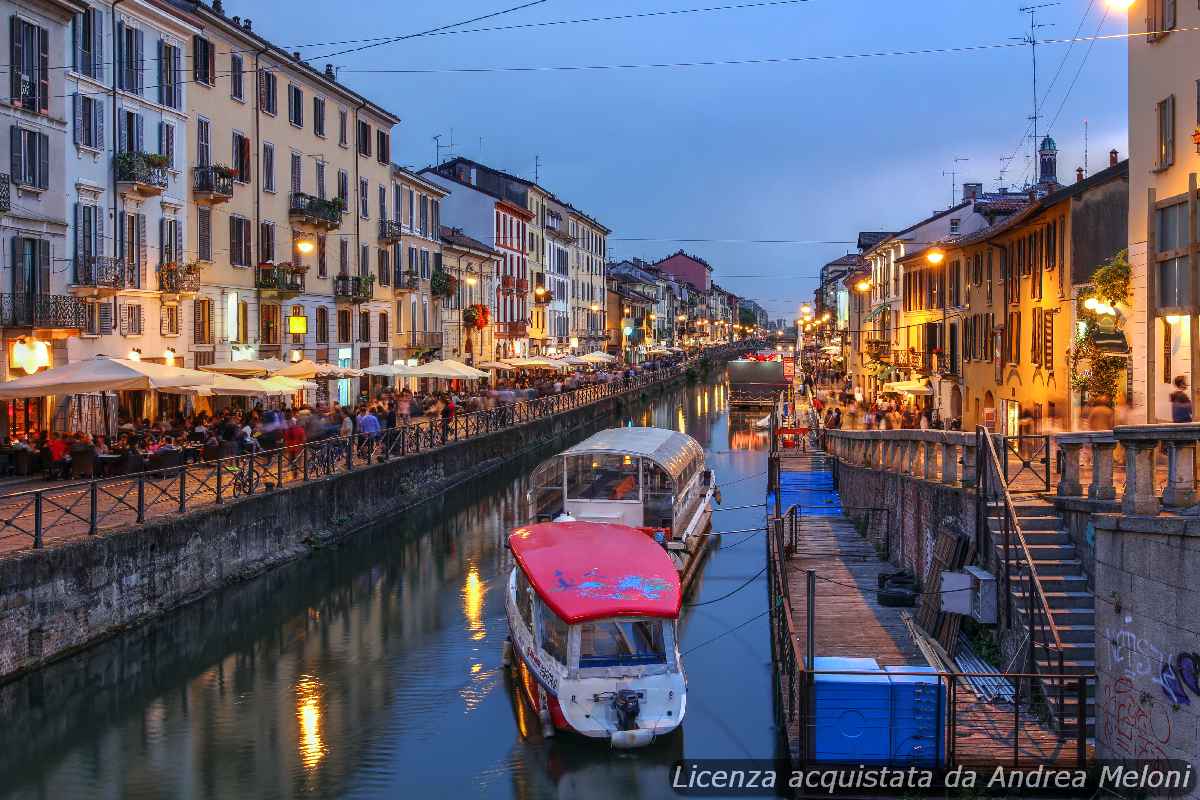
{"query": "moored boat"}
pixel 593 612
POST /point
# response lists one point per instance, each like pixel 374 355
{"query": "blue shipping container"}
pixel 918 722
pixel 852 713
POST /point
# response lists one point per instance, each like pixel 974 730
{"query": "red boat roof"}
pixel 588 570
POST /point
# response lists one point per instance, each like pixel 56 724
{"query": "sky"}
pixel 810 151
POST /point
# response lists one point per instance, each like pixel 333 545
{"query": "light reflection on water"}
pixel 373 669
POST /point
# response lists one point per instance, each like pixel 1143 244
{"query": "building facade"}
pixel 473 266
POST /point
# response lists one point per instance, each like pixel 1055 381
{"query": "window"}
pixel 170 241
pixel 322 325
pixel 296 172
pixel 203 143
pixel 88 37
pixel 383 146
pixel 1161 18
pixel 385 276
pixel 168 320
pixel 1171 245
pixel 343 325
pixel 202 320
pixel 204 233
pixel 411 209
pixel 132 319
pixel 343 127
pixel 268 167
pixel 424 229
pixel 89 121
pixel 322 258
pixel 166 142
pixel 204 61
pixel 343 256
pixel 266 241
pixel 268 99
pixel 239 242
pixel 364 138
pixel 553 635
pixel 295 105
pixel 30 68
pixel 129 132
pixel 30 158
pixel 364 260
pixel 130 58
pixel 364 198
pixel 364 326
pixel 321 179
pixel 319 116
pixel 237 85
pixel 383 326
pixel 268 327
pixel 241 158
pixel 614 643
pixel 955 226
pixel 170 87
pixel 425 265
pixel 89 238
pixel 297 311
pixel 1166 133
pixel 343 189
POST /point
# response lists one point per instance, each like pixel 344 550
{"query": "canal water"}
pixel 372 669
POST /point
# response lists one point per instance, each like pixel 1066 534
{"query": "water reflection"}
pixel 365 670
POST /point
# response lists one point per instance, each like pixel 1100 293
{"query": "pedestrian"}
pixel 1181 401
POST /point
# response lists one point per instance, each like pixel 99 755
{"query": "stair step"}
pixel 1067 599
pixel 1033 523
pixel 1057 536
pixel 1073 616
pixel 1056 582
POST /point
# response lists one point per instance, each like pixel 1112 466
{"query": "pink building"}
pixel 695 271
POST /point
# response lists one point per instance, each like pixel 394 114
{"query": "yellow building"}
pixel 418 330
pixel 291 188
pixel 473 265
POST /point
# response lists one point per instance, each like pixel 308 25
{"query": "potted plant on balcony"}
pixel 442 284
pixel 225 171
pixel 156 160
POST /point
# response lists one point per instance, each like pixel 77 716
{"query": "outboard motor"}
pixel 627 706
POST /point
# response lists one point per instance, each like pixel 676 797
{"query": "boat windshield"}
pixel 613 643
pixel 602 476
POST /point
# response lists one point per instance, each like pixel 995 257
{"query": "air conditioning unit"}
pixel 956 593
pixel 983 596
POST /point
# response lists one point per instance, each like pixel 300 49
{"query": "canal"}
pixel 373 668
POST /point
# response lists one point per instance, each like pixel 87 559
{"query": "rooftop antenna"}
pixel 1085 147
pixel 953 173
pixel 437 147
pixel 1032 40
pixel 1004 162
pixel 537 168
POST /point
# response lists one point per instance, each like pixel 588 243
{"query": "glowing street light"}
pixel 935 256
pixel 862 286
pixel 1120 5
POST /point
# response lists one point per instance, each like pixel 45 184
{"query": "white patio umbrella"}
pixel 390 371
pixel 255 367
pixel 464 371
pixel 305 369
pixel 497 365
pixel 536 363
pixel 226 386
pixel 287 385
pixel 574 361
pixel 100 374
pixel 448 370
pixel 599 358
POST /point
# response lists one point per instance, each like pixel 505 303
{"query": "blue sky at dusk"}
pixel 799 151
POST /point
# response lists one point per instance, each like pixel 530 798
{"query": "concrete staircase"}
pixel 1072 605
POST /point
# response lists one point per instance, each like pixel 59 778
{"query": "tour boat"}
pixel 649 478
pixel 593 611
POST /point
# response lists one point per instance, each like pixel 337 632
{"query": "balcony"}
pixel 5 193
pixel 177 280
pixel 522 286
pixel 512 330
pixel 508 284
pixel 60 311
pixel 104 275
pixel 389 231
pixel 425 340
pixel 353 288
pixel 879 349
pixel 307 210
pixel 143 174
pixel 279 280
pixel 407 282
pixel 212 185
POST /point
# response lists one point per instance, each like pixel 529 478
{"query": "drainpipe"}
pixel 352 192
pixel 112 169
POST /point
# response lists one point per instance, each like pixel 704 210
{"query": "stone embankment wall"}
pixel 1148 637
pixel 57 600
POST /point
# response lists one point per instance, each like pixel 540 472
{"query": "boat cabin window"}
pixel 554 635
pixel 658 496
pixel 602 476
pixel 613 643
pixel 524 600
pixel 546 490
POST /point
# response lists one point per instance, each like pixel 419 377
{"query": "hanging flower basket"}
pixel 442 284
pixel 476 316
pixel 1196 138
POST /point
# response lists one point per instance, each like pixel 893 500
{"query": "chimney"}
pixel 1112 158
pixel 1078 174
pixel 296 55
pixel 329 73
pixel 1003 190
pixel 218 7
pixel 246 24
pixel 971 191
pixel 237 21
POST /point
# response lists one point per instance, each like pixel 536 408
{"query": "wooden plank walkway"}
pixel 849 621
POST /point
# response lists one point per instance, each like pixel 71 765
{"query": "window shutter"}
pixel 123 319
pixel 43 172
pixel 161 61
pixel 262 90
pixel 43 78
pixel 77 42
pixel 163 313
pixel 139 62
pixel 139 144
pixel 43 273
pixel 141 248
pixel 77 115
pixel 17 55
pixel 1048 341
pixel 120 244
pixel 199 71
pixel 18 154
pixel 105 315
pixel 98 243
pixel 167 142
pixel 178 230
pixel 79 244
pixel 163 254
pixel 204 234
pixel 198 321
pixel 97 43
pixel 139 314
pixel 176 82
pixel 122 132
pixel 210 62
pixel 98 123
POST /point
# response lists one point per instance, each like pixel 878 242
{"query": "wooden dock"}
pixel 849 621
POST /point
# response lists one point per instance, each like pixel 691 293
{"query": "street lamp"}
pixel 935 256
pixel 863 286
pixel 1120 5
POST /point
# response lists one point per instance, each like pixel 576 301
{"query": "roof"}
pixel 678 253
pixel 587 571
pixel 671 450
pixel 456 238
pixel 408 174
pixel 630 294
pixel 936 216
pixel 868 239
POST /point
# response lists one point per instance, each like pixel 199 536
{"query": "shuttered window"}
pixel 202 320
pixel 239 242
pixel 87 39
pixel 30 65
pixel 204 233
pixel 130 58
pixel 88 117
pixel 170 89
pixel 204 61
pixel 30 157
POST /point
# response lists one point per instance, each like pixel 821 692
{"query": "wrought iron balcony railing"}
pixel 353 287
pixel 406 281
pixel 5 193
pixel 282 278
pixel 212 183
pixel 174 279
pixel 390 231
pixel 426 339
pixel 143 171
pixel 306 208
pixel 105 272
pixel 42 311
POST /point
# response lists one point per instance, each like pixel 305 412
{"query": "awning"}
pixel 102 374
pixel 908 387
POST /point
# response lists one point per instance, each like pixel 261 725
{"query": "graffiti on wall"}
pixel 1178 676
pixel 1132 728
pixel 1134 725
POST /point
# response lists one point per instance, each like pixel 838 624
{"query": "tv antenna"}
pixel 537 168
pixel 1085 147
pixel 1031 39
pixel 437 143
pixel 953 173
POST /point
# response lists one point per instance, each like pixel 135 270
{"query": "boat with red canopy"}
pixel 593 610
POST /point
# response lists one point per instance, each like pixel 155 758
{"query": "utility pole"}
pixel 953 173
pixel 1032 40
